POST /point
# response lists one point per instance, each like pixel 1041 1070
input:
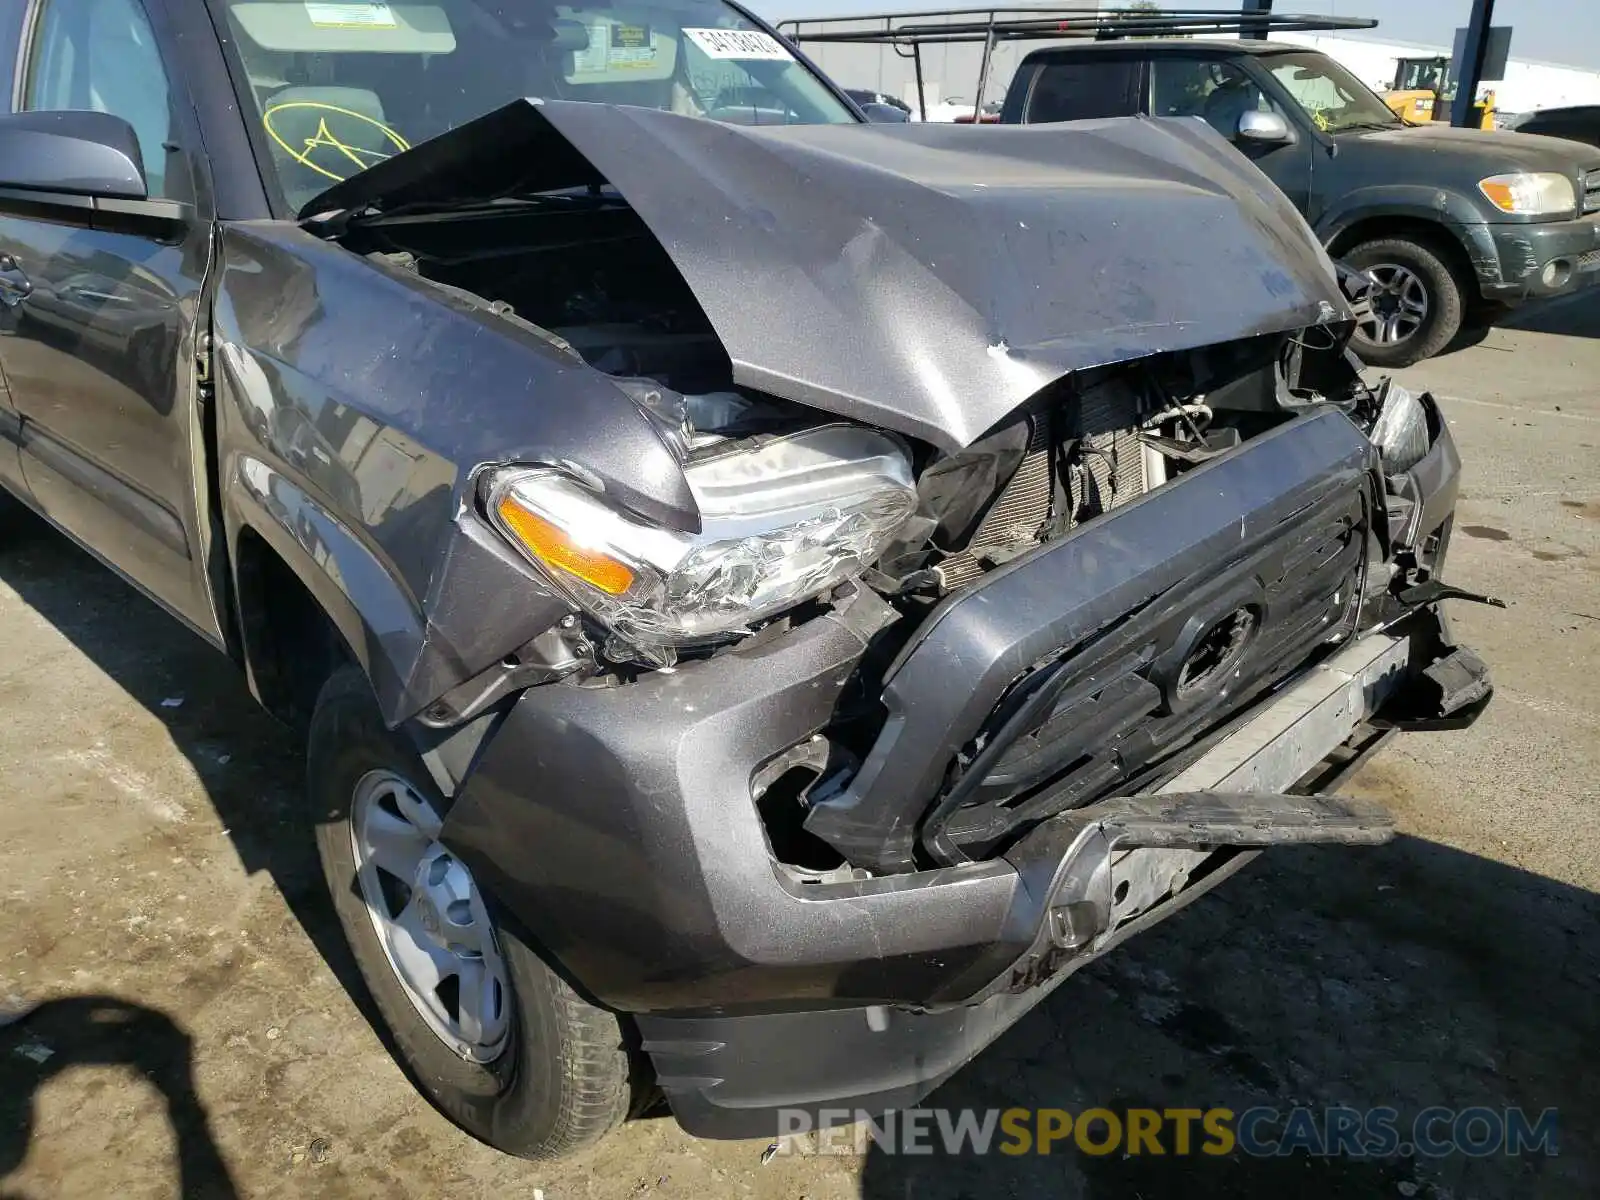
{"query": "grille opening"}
pixel 783 812
pixel 1218 649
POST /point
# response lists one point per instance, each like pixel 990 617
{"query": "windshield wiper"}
pixel 579 199
pixel 575 198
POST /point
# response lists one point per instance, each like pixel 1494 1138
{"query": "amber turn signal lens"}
pixel 555 548
pixel 1499 194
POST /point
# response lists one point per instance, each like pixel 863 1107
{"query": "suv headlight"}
pixel 1401 431
pixel 1531 193
pixel 781 522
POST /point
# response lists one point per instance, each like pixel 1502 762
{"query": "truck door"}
pixel 10 423
pixel 1219 91
pixel 101 315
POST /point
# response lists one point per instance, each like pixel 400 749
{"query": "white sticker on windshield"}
pixel 739 43
pixel 350 16
pixel 631 48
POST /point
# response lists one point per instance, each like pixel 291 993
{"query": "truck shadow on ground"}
pixel 1564 316
pixel 105 1031
pixel 252 767
pixel 1569 316
pixel 1409 976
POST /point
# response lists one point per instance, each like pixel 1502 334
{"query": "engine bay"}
pixel 585 272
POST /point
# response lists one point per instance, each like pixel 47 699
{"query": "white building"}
pixel 1527 85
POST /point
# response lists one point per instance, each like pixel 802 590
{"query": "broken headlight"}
pixel 1401 431
pixel 782 521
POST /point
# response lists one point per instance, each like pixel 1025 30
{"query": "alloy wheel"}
pixel 1395 307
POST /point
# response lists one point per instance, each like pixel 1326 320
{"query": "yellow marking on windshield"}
pixel 325 144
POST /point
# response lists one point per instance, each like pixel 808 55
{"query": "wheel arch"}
pixel 1433 234
pixel 311 597
pixel 1443 220
pixel 290 643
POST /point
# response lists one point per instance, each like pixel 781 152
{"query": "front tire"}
pixel 1414 308
pixel 498 1041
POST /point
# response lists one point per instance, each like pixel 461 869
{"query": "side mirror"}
pixel 73 153
pixel 1264 127
pixel 886 114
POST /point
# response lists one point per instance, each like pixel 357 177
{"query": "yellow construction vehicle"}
pixel 1424 91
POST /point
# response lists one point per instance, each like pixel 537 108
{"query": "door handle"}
pixel 15 286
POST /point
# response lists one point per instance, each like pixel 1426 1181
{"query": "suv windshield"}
pixel 340 86
pixel 1334 99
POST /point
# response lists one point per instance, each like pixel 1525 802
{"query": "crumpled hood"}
pixel 929 278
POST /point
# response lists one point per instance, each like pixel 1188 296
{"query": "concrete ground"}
pixel 162 910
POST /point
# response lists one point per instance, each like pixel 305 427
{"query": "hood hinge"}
pixel 202 361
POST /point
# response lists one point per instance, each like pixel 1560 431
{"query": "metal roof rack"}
pixel 908 32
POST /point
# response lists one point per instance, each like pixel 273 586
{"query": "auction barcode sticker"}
pixel 738 43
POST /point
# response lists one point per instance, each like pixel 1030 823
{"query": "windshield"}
pixel 1422 75
pixel 339 86
pixel 1334 99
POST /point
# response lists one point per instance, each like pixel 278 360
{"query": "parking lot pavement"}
pixel 192 1036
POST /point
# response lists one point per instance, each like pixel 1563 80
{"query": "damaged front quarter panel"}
pixel 355 405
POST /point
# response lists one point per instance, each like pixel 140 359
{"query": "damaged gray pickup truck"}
pixel 769 596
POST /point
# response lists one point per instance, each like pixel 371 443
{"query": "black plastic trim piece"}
pixel 1199 547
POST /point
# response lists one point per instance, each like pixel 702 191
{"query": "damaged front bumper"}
pixel 619 825
pixel 1537 259
pixel 1091 879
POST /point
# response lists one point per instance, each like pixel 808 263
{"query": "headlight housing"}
pixel 1401 431
pixel 781 522
pixel 1531 193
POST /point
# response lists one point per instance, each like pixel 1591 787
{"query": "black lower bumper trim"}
pixel 1048 683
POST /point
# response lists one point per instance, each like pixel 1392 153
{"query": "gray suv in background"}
pixel 1451 225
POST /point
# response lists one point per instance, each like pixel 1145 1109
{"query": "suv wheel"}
pixel 499 1042
pixel 1414 307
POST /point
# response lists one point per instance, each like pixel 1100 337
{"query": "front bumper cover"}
pixel 617 826
pixel 1098 876
pixel 1513 256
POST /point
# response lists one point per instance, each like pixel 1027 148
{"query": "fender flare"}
pixel 1451 211
pixel 378 622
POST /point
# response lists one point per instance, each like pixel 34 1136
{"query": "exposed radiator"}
pixel 1023 507
pixel 1110 446
pixel 1115 461
pixel 1111 453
